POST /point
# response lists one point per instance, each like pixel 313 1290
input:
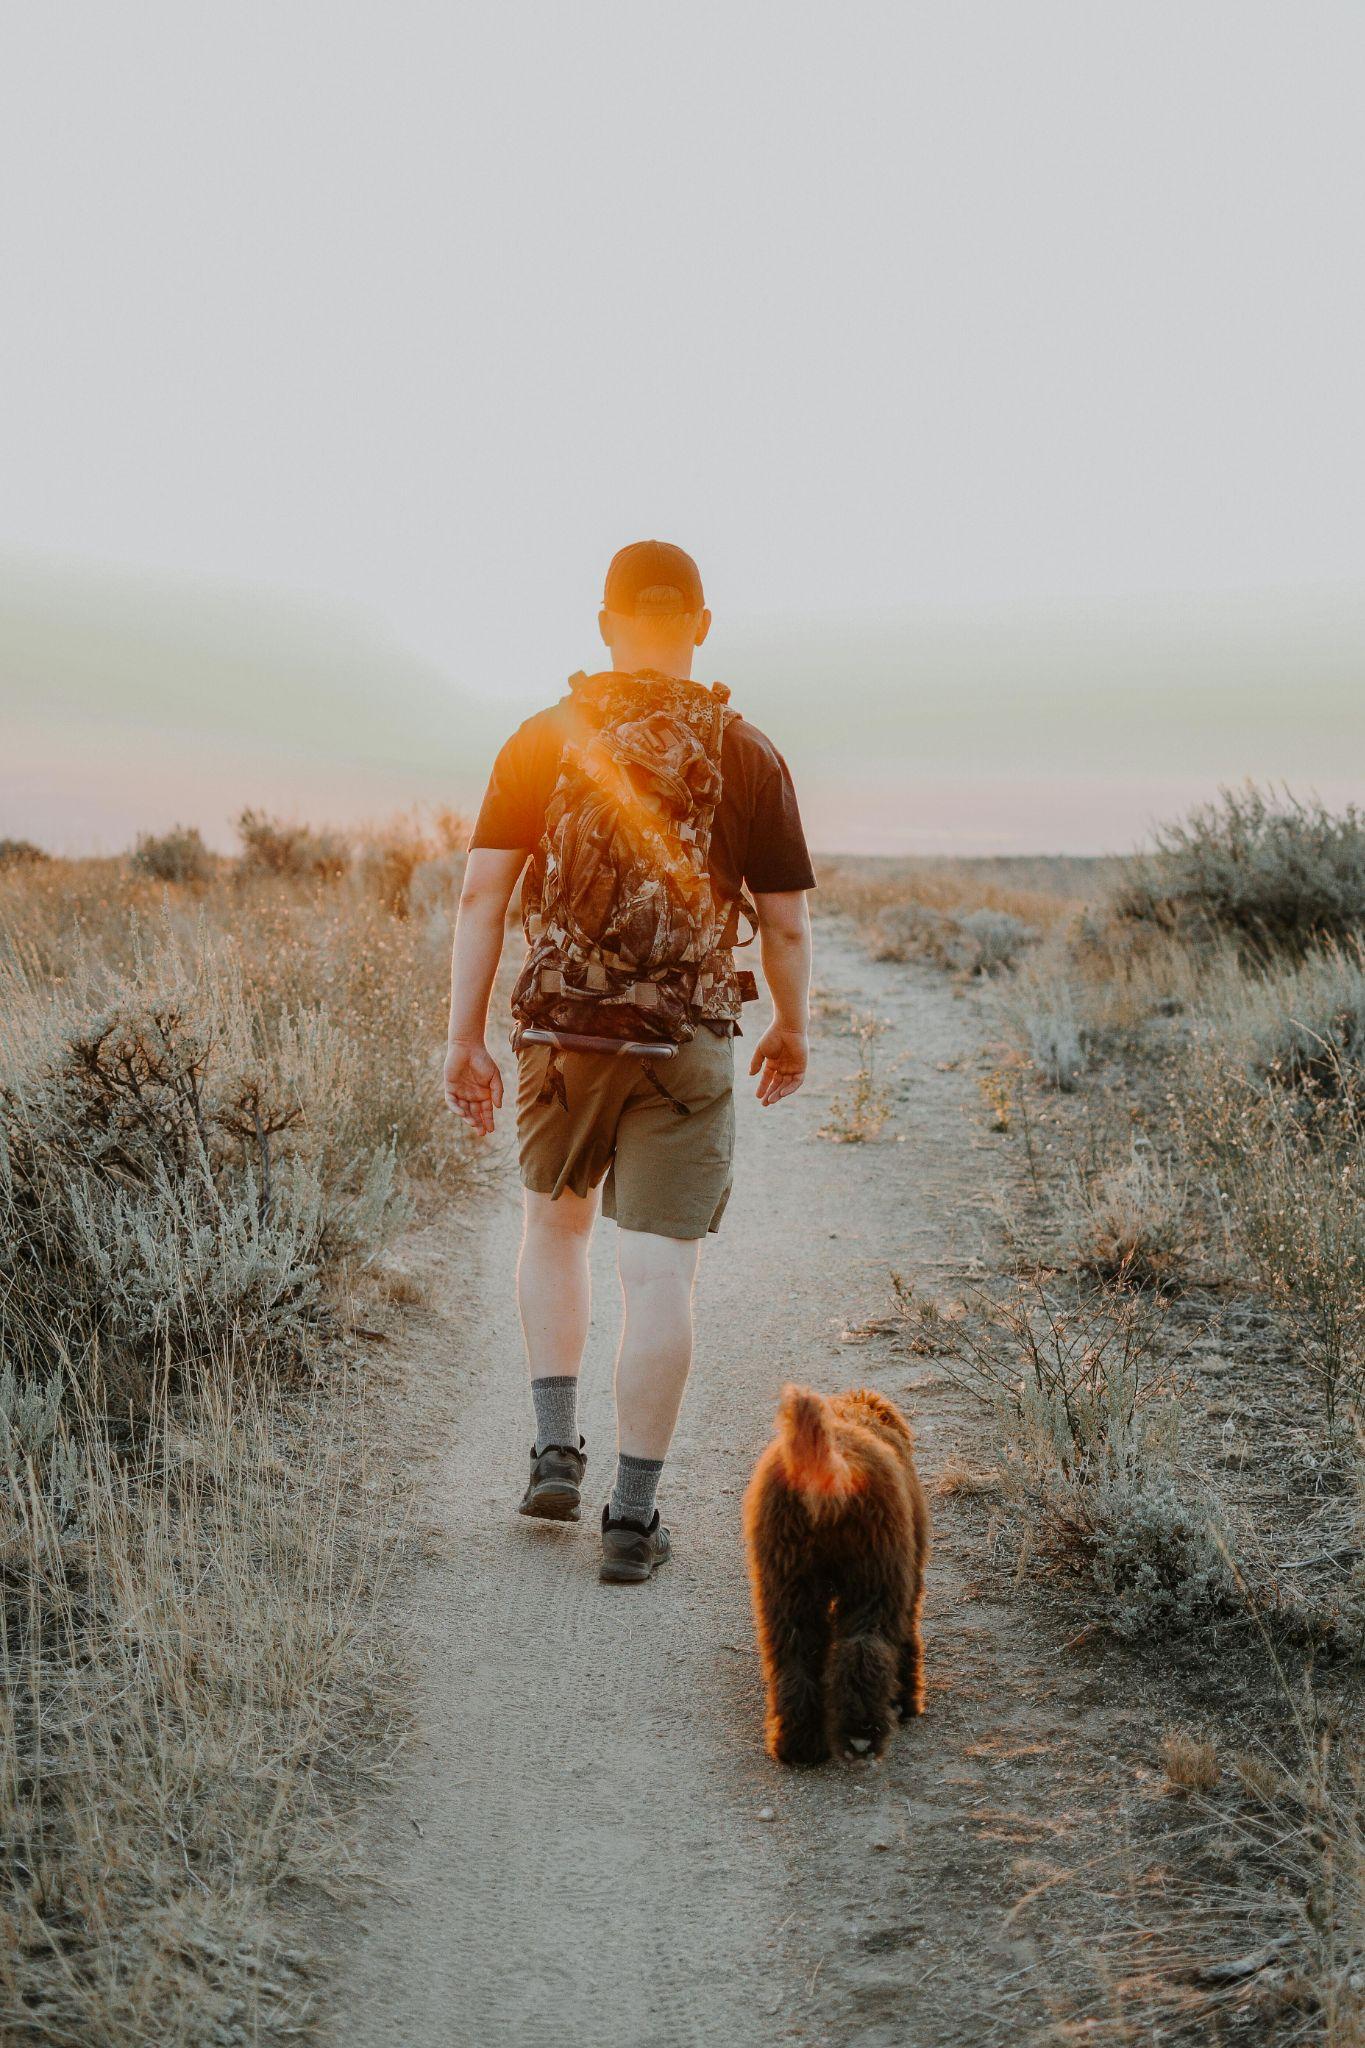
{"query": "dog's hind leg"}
pixel 862 1685
pixel 794 1623
pixel 864 1672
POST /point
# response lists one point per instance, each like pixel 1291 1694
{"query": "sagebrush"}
pixel 1278 872
pixel 219 1094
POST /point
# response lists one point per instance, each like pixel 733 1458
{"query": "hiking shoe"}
pixel 630 1551
pixel 553 1490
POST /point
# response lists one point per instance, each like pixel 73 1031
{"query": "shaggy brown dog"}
pixel 837 1532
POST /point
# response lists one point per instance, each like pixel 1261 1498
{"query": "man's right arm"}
pixel 473 1083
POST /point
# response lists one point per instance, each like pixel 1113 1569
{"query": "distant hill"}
pixel 128 705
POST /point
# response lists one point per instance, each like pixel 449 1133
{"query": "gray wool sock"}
pixel 556 1399
pixel 637 1482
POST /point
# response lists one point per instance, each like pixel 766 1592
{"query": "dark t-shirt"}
pixel 756 839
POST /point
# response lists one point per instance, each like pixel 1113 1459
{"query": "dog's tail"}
pixel 816 1467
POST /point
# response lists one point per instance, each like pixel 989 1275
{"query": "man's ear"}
pixel 602 626
pixel 703 628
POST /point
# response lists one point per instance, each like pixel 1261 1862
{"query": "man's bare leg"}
pixel 554 1294
pixel 657 1276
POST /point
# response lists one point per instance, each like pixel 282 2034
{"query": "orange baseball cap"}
pixel 653 576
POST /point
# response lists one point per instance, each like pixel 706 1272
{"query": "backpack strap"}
pixel 740 907
pixel 593 980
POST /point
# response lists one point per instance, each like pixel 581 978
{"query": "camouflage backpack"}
pixel 626 940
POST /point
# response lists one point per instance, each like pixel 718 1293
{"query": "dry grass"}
pixel 1194 1198
pixel 1116 980
pixel 1129 1224
pixel 390 856
pixel 1230 1911
pixel 1190 1762
pixel 204 1081
pixel 912 1325
pixel 403 1290
pixel 181 1173
pixel 999 1091
pixel 1219 1005
pixel 380 980
pixel 1036 890
pixel 971 917
pixel 959 1477
pixel 1284 1154
pixel 198 1669
pixel 1258 1053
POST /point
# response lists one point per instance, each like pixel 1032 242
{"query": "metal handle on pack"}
pixel 579 1041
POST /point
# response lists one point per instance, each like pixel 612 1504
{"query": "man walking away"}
pixel 651 813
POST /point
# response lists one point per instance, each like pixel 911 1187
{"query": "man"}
pixel 652 1137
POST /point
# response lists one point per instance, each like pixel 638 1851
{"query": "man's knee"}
pixel 644 1259
pixel 562 1215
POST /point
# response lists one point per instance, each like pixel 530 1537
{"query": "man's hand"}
pixel 782 1056
pixel 473 1083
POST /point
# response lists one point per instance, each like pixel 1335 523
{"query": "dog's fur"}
pixel 837 1531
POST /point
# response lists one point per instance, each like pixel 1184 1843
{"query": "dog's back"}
pixel 837 1532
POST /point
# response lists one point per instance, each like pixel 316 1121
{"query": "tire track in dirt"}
pixel 587 1773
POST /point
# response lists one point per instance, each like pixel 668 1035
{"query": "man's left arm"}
pixel 778 872
pixel 781 1054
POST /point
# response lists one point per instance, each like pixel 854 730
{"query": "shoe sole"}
pixel 624 1571
pixel 553 1501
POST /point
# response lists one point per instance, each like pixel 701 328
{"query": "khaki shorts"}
pixel 662 1172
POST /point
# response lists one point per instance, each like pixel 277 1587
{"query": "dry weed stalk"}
pixel 861 1106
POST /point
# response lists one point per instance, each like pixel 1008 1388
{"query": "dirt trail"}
pixel 588 1776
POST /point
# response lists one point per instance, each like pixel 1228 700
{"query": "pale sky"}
pixel 409 315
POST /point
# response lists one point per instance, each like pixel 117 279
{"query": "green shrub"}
pixel 1089 1422
pixel 1292 1192
pixel 1279 875
pixel 1304 1028
pixel 179 855
pixel 1077 1389
pixel 991 939
pixel 174 1179
pixel 902 932
pixel 1129 1223
pixel 35 1450
pixel 1043 1014
pixel 1158 1563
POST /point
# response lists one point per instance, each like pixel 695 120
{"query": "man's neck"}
pixel 649 662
